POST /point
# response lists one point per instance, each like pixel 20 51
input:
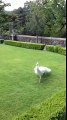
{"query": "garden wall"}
pixel 43 40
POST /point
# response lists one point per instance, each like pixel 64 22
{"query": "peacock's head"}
pixel 37 64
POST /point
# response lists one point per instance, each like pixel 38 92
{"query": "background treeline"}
pixel 40 17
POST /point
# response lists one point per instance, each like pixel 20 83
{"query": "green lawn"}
pixel 19 86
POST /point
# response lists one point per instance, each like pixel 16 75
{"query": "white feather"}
pixel 40 70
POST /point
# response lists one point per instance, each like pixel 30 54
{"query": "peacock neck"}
pixel 37 67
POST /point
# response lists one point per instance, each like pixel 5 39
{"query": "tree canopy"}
pixel 40 17
pixel 4 18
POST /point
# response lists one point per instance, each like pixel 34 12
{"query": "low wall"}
pixel 43 40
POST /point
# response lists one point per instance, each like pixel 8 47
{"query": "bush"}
pixel 60 116
pixel 56 49
pixel 50 48
pixel 1 41
pixel 51 109
pixel 25 44
pixel 62 50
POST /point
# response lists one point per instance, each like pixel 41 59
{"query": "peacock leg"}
pixel 40 79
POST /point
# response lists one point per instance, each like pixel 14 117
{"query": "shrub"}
pixel 60 116
pixel 62 50
pixel 25 44
pixel 50 48
pixel 53 108
pixel 1 41
pixel 56 49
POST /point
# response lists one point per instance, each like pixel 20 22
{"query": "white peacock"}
pixel 41 70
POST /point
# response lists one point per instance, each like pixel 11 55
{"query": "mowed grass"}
pixel 19 86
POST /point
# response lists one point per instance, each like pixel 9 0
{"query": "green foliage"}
pixel 25 44
pixel 4 18
pixel 50 48
pixel 1 41
pixel 56 49
pixel 33 19
pixel 59 49
pixel 62 50
pixel 60 116
pixel 53 108
pixel 20 20
pixel 40 17
pixel 47 18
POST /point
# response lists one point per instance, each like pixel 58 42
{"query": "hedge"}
pixel 50 48
pixel 56 49
pixel 51 109
pixel 25 44
pixel 1 41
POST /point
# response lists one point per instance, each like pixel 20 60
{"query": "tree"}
pixel 33 24
pixel 40 18
pixel 19 22
pixel 46 17
pixel 59 11
pixel 3 16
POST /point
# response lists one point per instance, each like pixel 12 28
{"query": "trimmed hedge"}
pixel 51 109
pixel 50 48
pixel 56 49
pixel 25 44
pixel 1 41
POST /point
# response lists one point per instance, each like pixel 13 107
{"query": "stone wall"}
pixel 43 40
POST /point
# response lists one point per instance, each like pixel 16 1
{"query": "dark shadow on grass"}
pixel 45 77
